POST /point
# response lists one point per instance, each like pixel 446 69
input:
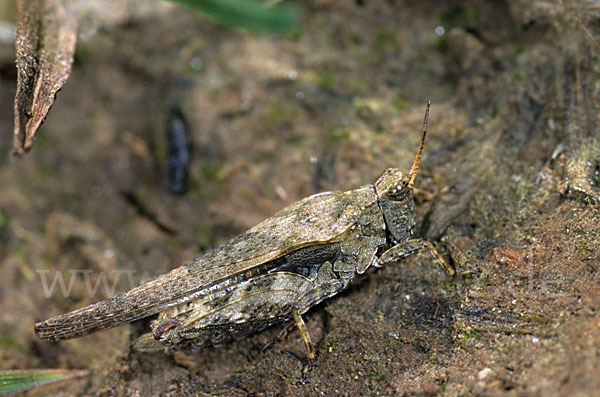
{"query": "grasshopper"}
pixel 275 272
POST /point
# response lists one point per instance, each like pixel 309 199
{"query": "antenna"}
pixel 415 167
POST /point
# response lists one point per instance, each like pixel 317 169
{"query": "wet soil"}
pixel 512 161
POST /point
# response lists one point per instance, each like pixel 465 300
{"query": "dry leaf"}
pixel 46 36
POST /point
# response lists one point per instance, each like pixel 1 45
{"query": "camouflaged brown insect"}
pixel 275 272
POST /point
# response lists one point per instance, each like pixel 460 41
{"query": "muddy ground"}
pixel 514 134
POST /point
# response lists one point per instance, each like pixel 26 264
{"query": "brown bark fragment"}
pixel 46 36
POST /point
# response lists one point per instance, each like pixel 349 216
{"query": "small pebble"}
pixel 484 373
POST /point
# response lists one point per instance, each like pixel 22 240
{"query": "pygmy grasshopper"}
pixel 275 272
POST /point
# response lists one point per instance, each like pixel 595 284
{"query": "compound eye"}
pixel 399 193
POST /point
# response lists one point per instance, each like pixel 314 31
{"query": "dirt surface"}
pixel 513 149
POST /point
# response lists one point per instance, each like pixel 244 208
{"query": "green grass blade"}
pixel 247 14
pixel 21 380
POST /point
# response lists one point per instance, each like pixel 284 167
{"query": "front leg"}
pixel 409 247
